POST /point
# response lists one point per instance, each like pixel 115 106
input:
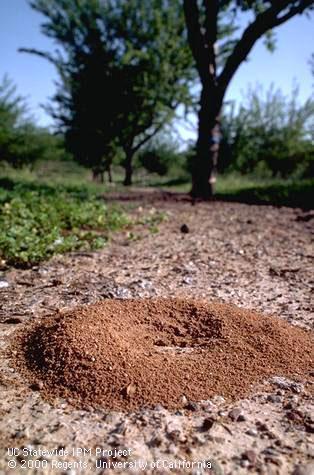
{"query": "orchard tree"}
pixel 124 67
pixel 218 53
pixel 21 141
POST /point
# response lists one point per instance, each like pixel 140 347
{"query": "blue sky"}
pixel 35 77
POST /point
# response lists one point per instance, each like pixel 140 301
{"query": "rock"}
pixel 218 400
pixel 287 384
pixel 4 284
pixel 184 400
pixel 131 390
pixel 269 451
pixel 191 406
pixel 252 432
pixel 219 440
pixel 184 229
pixel 250 455
pixel 304 469
pixel 274 398
pixel 13 320
pixel 295 416
pixel 276 460
pixel 208 423
pixel 37 386
pixel 235 414
pixel 289 406
pixel 309 426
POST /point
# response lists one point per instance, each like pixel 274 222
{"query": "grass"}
pixel 252 190
pixel 278 192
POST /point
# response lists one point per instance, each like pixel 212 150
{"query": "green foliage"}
pixel 159 157
pixel 21 142
pixel 271 136
pixel 37 222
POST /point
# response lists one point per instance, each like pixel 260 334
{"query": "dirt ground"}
pixel 257 257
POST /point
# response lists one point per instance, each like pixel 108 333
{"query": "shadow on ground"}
pixel 296 195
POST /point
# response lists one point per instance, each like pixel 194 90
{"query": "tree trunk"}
pixel 128 168
pixel 207 147
pixel 109 173
pixel 95 174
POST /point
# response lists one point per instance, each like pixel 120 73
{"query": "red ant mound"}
pixel 124 354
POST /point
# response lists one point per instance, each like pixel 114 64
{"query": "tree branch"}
pixel 264 21
pixel 195 37
pixel 42 54
pixel 147 137
pixel 211 33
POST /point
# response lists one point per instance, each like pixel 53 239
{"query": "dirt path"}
pixel 254 256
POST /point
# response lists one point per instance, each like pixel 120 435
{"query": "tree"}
pixel 217 64
pixel 124 67
pixel 12 110
pixel 269 135
pixel 21 141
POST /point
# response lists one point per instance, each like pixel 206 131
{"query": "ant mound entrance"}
pixel 125 354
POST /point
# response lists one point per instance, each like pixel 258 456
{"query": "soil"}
pixel 133 353
pixel 256 257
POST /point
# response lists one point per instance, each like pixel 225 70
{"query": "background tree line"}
pixel 269 135
pixel 125 68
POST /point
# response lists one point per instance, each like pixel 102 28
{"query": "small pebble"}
pixel 250 455
pixel 269 451
pixel 274 398
pixel 294 415
pixel 184 229
pixel 218 399
pixel 191 406
pixel 275 460
pixel 252 432
pixel 13 320
pixel 184 400
pixel 208 423
pixel 37 386
pixel 219 440
pixel 235 414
